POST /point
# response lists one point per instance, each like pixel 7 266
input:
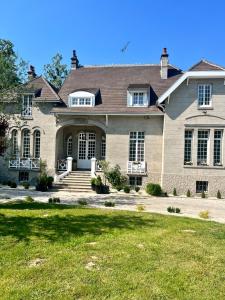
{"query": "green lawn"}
pixel 61 252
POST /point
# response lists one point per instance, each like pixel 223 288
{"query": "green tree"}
pixel 12 75
pixel 56 72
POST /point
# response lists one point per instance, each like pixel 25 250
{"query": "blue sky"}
pixel 98 29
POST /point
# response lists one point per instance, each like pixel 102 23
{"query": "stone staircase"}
pixel 76 181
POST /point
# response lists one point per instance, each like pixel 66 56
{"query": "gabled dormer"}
pixel 83 98
pixel 138 95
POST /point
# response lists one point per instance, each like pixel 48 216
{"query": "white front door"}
pixel 86 149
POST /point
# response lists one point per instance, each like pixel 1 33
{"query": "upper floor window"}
pixel 205 95
pixel 81 98
pixel 27 106
pixel 138 98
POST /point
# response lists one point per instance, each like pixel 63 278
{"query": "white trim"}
pixel 191 74
pixel 130 97
pixel 81 95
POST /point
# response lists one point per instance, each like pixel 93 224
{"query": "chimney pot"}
pixel 74 61
pixel 164 61
pixel 31 73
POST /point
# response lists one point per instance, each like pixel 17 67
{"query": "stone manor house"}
pixel 158 123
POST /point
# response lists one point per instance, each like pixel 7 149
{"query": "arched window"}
pixel 26 143
pixel 37 143
pixel 69 146
pixel 15 143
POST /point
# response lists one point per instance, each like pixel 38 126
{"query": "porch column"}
pixel 93 167
pixel 69 163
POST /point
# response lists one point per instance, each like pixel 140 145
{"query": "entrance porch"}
pixel 81 143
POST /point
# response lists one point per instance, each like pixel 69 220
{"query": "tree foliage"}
pixel 56 72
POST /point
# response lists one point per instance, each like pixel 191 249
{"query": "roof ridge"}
pixel 207 62
pixel 119 65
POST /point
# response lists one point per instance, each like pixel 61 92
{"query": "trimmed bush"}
pixel 50 200
pixel 140 207
pixel 177 210
pixel 188 194
pixel 153 189
pixel 42 183
pixel 13 185
pixel 119 188
pixel 203 194
pixel 171 209
pixel 137 189
pixel 126 189
pixel 218 195
pixel 204 214
pixel 82 202
pixel 56 200
pixel 109 204
pixel 93 183
pixel 9 182
pixel 174 192
pixel 115 178
pixel 29 199
pixel 26 185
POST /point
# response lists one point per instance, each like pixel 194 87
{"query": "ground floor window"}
pixel 135 180
pixel 23 176
pixel 201 186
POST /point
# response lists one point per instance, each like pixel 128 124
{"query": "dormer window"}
pixel 81 98
pixel 204 95
pixel 27 105
pixel 138 97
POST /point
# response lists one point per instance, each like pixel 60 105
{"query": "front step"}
pixel 76 181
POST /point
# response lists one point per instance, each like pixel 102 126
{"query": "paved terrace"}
pixel 190 207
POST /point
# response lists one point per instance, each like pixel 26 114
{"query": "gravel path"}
pixel 190 207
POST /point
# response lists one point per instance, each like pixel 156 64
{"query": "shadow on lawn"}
pixel 21 204
pixel 62 228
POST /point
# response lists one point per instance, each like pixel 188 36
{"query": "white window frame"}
pixel 81 99
pixel 27 109
pixel 130 97
pixel 37 144
pixel 191 149
pixel 26 139
pixel 69 146
pixel 208 148
pixel 15 146
pixel 137 142
pixel 216 139
pixel 204 95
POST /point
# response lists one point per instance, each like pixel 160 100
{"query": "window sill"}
pixel 203 167
pixel 26 117
pixel 205 108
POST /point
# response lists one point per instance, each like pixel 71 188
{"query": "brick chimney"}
pixel 31 73
pixel 74 61
pixel 164 61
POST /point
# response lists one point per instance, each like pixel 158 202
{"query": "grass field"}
pixel 61 252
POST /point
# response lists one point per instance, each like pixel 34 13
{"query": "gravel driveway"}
pixel 190 207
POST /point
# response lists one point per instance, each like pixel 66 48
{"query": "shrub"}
pixel 82 202
pixel 9 182
pixel 188 194
pixel 137 189
pixel 218 195
pixel 203 194
pixel 204 214
pixel 115 178
pixel 174 192
pixel 50 181
pixel 42 183
pixel 5 182
pixel 50 200
pixel 56 200
pixel 140 207
pixel 119 188
pixel 153 189
pixel 93 183
pixel 109 204
pixel 13 185
pixel 177 210
pixel 26 185
pixel 171 209
pixel 29 199
pixel 126 189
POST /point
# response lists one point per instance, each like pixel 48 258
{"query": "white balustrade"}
pixel 25 163
pixel 62 165
pixel 136 167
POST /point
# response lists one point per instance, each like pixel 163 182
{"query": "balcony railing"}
pixel 136 167
pixel 24 164
pixel 62 165
pixel 27 111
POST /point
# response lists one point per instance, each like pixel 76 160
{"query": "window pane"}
pixel 201 186
pixel 188 147
pixel 217 156
pixel 26 143
pixel 136 152
pixel 69 146
pixel 204 95
pixel 202 152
